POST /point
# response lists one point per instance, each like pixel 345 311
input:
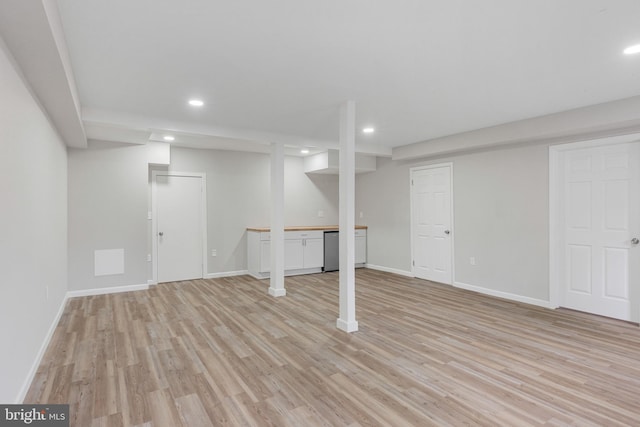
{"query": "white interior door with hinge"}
pixel 600 225
pixel 179 226
pixel 431 223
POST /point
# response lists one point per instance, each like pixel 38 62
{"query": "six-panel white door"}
pixel 431 223
pixel 601 219
pixel 179 227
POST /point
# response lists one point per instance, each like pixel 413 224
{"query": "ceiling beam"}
pixel 198 135
pixel 597 121
pixel 33 33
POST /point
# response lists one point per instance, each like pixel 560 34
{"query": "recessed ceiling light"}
pixel 304 151
pixel 632 49
pixel 196 102
pixel 368 130
pixel 168 138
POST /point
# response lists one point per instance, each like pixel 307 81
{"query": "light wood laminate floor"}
pixel 223 352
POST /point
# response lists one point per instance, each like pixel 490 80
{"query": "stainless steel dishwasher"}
pixel 331 249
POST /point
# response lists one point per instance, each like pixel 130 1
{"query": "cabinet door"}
pixel 361 250
pixel 265 256
pixel 293 256
pixel 313 253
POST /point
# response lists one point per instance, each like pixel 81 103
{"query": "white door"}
pixel 179 227
pixel 431 223
pixel 601 218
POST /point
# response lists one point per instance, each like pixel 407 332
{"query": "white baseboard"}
pixel 505 295
pixel 347 326
pixel 152 282
pixel 389 270
pixel 279 292
pixel 103 291
pixel 226 274
pixel 43 348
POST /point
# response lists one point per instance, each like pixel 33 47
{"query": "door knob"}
pixel 161 234
pixel 447 232
pixel 635 241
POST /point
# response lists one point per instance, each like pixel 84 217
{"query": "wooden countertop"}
pixel 304 228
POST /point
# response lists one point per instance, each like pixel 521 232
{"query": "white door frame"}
pixel 556 214
pixel 154 221
pixel 453 227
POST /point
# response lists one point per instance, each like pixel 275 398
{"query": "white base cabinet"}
pixel 361 248
pixel 303 252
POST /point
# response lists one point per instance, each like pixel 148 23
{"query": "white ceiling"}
pixel 279 69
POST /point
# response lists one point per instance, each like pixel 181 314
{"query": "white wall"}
pixel 107 210
pixel 238 195
pixel 305 195
pixel 109 202
pixel 501 211
pixel 33 238
pixel 383 199
pixel 501 218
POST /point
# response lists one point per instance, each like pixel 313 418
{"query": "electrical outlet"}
pixel 320 214
pixel 214 252
pixel 148 257
pixel 472 260
pixel 361 214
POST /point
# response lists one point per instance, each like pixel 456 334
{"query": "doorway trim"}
pixel 154 221
pixel 556 214
pixel 451 213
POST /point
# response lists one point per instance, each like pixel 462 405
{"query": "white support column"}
pixel 347 320
pixel 276 282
